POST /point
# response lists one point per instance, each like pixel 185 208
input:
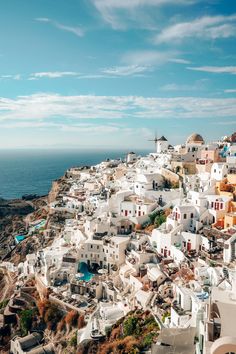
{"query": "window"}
pixel 130 211
pixel 82 255
pixel 97 247
pixel 221 205
pixel 91 246
pixel 185 216
pixel 191 215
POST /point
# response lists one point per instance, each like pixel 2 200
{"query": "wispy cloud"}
pixel 147 57
pixel 224 123
pixel 180 61
pixel 215 69
pixel 230 91
pixel 147 60
pixel 195 86
pixel 78 31
pixel 119 13
pixel 207 27
pixel 52 74
pixel 10 77
pixel 44 107
pixel 129 70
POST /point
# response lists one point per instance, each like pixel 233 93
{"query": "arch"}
pixel 224 345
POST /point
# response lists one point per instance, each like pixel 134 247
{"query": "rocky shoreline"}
pixel 12 221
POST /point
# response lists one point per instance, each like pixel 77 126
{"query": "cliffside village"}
pixel 156 233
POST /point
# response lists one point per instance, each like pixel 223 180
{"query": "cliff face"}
pixel 15 207
pixel 54 191
pixel 13 216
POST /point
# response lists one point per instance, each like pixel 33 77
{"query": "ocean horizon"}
pixel 25 171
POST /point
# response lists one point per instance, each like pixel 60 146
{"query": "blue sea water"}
pixel 32 171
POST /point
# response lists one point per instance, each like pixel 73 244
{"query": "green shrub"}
pixel 147 340
pixel 73 341
pixel 26 319
pixel 130 326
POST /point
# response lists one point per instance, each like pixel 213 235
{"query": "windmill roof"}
pixel 162 138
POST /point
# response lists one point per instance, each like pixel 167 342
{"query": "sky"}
pixel 113 73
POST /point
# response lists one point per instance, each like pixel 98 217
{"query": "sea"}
pixel 32 171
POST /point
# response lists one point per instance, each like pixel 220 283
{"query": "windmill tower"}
pixel 161 144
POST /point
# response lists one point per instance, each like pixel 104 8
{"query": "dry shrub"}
pixel 119 346
pixel 71 318
pixel 81 322
pixel 61 325
pixel 168 211
pixel 43 306
pixel 115 333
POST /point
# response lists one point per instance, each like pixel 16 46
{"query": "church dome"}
pixel 195 139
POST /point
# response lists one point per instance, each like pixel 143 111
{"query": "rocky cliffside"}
pixel 15 207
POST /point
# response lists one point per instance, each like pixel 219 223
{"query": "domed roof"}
pixel 195 139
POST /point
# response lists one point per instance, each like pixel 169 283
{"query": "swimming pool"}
pixel 83 268
pixel 19 238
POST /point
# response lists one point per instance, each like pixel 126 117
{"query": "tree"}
pixel 26 319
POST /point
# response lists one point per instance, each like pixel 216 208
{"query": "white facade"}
pixel 219 171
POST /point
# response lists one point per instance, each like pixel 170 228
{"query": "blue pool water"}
pixel 19 238
pixel 83 268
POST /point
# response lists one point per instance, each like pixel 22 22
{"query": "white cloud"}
pixel 118 13
pixel 148 57
pixel 215 69
pixel 179 61
pixel 78 31
pixel 230 91
pixel 207 27
pixel 52 74
pixel 128 70
pixel 45 106
pixel 195 86
pixel 176 87
pixel 11 77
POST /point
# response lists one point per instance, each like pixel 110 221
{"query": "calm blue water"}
pixel 32 172
pixel 83 268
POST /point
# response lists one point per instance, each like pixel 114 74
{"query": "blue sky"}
pixel 109 73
